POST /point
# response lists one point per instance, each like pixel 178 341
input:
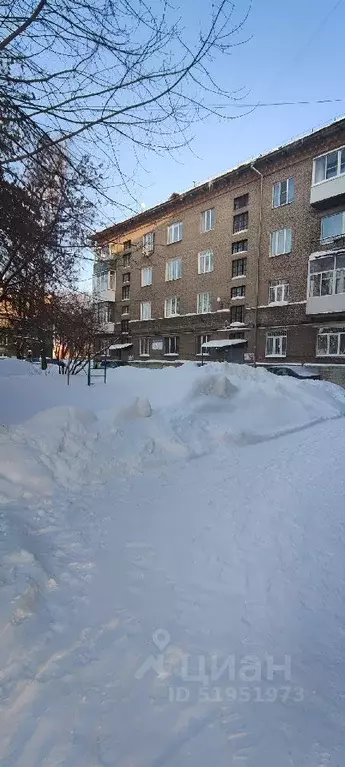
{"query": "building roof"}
pixel 223 343
pixel 175 199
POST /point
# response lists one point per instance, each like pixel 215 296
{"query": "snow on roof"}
pixel 120 346
pixel 239 166
pixel 222 343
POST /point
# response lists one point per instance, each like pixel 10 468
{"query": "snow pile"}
pixel 220 407
pixel 10 366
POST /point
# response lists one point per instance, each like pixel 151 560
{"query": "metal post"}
pixel 68 372
pixel 105 367
pixel 89 370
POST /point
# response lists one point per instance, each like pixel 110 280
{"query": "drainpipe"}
pixel 257 266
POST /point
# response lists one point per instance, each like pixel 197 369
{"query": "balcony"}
pixel 107 327
pixel 104 294
pixel 326 283
pixel 328 186
pixel 104 284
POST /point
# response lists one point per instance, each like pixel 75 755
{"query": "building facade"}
pixel 257 254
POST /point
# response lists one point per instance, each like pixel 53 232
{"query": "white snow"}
pixel 155 531
pixel 226 342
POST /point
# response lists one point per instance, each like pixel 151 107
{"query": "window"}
pixel 241 246
pixel 171 345
pixel 204 303
pixel 126 262
pixel 329 166
pixel 124 326
pixel 145 310
pixel 148 243
pixel 125 293
pixel 278 292
pixel 276 344
pixel 200 341
pixel 281 242
pixel 283 192
pixel 127 244
pixel 240 222
pixel 172 307
pixel 239 267
pixel 175 233
pixel 326 276
pixel 238 292
pixel 333 226
pixel 236 314
pixel 126 278
pixel 331 343
pixel 146 276
pixel 144 347
pixel 106 313
pixel 125 310
pixel 173 269
pixel 241 202
pixel 104 281
pixel 208 220
pixel 205 262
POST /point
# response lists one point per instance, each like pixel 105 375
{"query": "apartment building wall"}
pixel 189 325
pixel 305 222
pixel 261 318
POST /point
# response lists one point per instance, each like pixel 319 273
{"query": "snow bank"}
pixel 206 409
pixel 10 366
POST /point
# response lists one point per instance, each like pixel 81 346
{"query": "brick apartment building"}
pixel 255 255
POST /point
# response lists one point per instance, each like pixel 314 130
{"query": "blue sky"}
pixel 295 53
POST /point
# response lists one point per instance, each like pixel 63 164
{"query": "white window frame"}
pixel 170 353
pixel 275 288
pixel 125 310
pixel 148 243
pixel 172 306
pixel 274 242
pixel 335 332
pixel 207 220
pixel 203 339
pixel 290 192
pixel 173 269
pixel 332 237
pixel 145 281
pixel 204 303
pixel 129 291
pixel 278 344
pixel 104 281
pixel 205 259
pixel 144 347
pixel 175 232
pixel 145 310
pixel 325 154
pixel 334 275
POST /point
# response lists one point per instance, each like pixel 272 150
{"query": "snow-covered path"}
pixel 119 596
pixel 126 569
